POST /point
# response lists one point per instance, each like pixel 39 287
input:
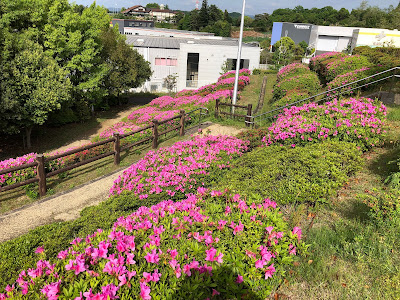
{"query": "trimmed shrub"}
pixel 291 175
pixel 347 78
pixel 292 70
pixel 308 82
pixel 318 61
pixel 254 136
pixel 292 97
pixel 385 57
pixel 203 246
pixel 344 65
pixel 359 121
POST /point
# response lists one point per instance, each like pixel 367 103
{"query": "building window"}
pixel 244 63
pixel 166 62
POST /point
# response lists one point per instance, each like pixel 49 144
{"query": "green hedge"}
pixel 386 57
pixel 308 82
pixel 344 65
pixel 303 174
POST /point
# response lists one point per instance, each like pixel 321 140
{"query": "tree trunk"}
pixel 28 131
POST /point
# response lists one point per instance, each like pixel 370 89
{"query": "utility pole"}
pixel 239 55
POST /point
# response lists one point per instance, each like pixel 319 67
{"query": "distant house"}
pixel 158 14
pixel 136 11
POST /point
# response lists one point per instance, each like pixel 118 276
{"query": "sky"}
pixel 252 6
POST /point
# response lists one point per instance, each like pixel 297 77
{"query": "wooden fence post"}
pixel 182 123
pixel 248 119
pixel 41 175
pixel 216 107
pixel 155 134
pixel 117 149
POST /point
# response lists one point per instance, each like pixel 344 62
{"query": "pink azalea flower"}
pixel 239 279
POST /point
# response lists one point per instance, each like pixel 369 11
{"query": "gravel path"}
pixel 68 205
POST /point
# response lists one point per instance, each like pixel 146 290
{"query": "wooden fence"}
pixel 246 117
pixel 41 159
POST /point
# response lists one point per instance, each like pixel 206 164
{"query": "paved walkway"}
pixel 68 205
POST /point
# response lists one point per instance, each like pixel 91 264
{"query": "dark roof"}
pixel 174 43
pixel 162 10
pixel 133 7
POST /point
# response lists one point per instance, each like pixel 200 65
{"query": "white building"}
pixel 333 38
pixel 375 37
pixel 155 31
pixel 196 61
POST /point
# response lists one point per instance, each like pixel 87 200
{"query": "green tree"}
pixel 35 86
pixel 248 21
pixel 227 17
pixel 221 28
pixel 284 51
pixel 74 40
pixel 152 5
pixel 262 22
pixel 203 14
pixel 215 14
pixel 127 68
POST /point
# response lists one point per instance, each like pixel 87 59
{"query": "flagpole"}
pixel 239 55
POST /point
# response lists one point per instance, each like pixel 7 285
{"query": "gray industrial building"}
pixel 197 61
pixel 333 38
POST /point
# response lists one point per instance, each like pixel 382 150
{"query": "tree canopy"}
pixel 56 55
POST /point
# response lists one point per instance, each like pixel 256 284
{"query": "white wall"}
pixel 375 37
pixel 159 72
pixel 211 58
pixel 164 32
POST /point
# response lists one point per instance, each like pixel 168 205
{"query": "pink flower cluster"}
pixel 172 169
pixel 154 249
pixel 291 69
pixel 144 115
pixel 346 78
pixel 139 117
pixel 120 127
pixel 356 120
pixel 245 72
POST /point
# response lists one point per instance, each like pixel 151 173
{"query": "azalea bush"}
pixel 344 65
pixel 318 62
pixel 292 70
pixel 292 97
pixel 385 57
pixel 177 170
pixel 160 109
pixel 311 173
pixel 229 74
pixel 347 78
pixel 306 82
pixel 254 136
pixel 209 244
pixel 352 120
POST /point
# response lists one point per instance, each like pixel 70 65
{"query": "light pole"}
pixel 239 55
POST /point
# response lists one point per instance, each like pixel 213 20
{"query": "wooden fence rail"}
pixel 246 117
pixel 41 160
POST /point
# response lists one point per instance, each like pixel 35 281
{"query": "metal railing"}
pixel 267 117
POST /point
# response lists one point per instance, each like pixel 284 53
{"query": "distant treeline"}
pixel 212 19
